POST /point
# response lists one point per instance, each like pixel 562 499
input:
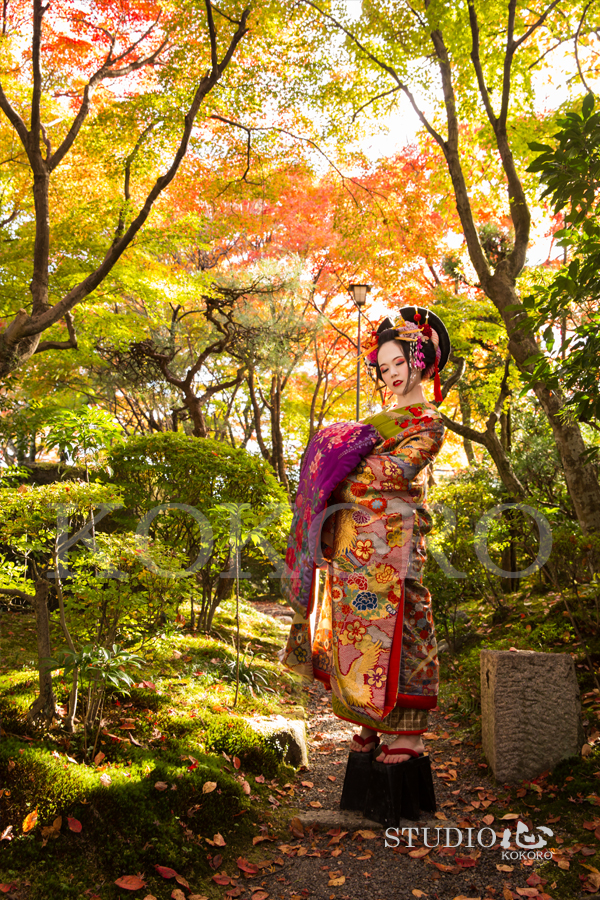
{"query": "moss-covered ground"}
pixel 178 778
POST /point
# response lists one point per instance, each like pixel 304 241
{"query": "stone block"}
pixel 289 734
pixel 531 712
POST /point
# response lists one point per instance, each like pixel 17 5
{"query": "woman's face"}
pixel 394 368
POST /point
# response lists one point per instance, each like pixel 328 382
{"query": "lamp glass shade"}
pixel 359 293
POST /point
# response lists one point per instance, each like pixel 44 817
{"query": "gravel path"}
pixel 327 854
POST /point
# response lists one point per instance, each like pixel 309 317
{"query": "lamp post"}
pixel 359 295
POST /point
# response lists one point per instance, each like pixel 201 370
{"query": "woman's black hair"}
pixel 390 334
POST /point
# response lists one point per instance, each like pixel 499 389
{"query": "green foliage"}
pixel 569 170
pixel 82 435
pixel 167 470
pixel 117 592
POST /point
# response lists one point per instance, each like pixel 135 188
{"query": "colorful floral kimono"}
pixel 366 628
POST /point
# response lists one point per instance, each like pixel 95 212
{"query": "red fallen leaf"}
pixel 246 787
pixel 465 861
pixel 260 895
pixel 216 861
pixel 74 824
pixel 259 779
pixel 181 880
pixel 165 871
pixel 245 866
pixel 236 762
pixel 130 882
pixel 221 879
pixel 527 892
pixel 534 880
pixel 5 888
pixel 233 892
pixel 587 851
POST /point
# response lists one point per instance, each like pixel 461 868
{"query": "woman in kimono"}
pixel 368 633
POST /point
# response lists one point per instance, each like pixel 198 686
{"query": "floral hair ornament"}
pixel 408 328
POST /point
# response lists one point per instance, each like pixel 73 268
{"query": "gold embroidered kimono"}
pixel 368 632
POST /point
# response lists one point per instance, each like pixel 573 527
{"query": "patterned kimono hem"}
pixel 407 720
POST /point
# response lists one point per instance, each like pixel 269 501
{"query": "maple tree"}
pixel 136 50
pixel 487 81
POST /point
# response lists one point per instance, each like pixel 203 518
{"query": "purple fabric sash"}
pixel 331 455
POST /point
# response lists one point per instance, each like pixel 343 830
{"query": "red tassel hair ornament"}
pixel 437 387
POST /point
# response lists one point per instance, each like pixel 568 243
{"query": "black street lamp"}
pixel 359 295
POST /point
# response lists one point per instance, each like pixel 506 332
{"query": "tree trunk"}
pixel 581 479
pixel 465 413
pixel 44 706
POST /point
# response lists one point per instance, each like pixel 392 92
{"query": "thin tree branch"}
pixel 214 58
pixel 385 67
pixel 576 42
pixel 537 24
pixel 393 90
pixel 71 344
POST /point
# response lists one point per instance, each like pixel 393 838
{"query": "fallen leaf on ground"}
pixel 74 824
pixel 334 882
pixel 417 893
pixel 149 897
pixel 30 821
pixel 161 785
pixel 307 784
pixel 337 838
pixel 364 833
pixel 487 820
pixel 502 868
pixel 221 879
pixel 197 897
pixel 451 870
pixel 260 895
pixel 510 816
pixel 260 779
pixel 130 882
pixel 245 866
pixel 331 777
pixel 219 840
pixel 260 838
pixel 316 804
pixel 420 852
pixel 105 779
pixel 208 787
pixel 165 871
pixel 177 894
pixel 236 762
pixel 465 862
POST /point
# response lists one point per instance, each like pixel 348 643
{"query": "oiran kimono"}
pixel 367 631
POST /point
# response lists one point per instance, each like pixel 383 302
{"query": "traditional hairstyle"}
pixel 424 341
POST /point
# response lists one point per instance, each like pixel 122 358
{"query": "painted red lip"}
pixel 396 383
